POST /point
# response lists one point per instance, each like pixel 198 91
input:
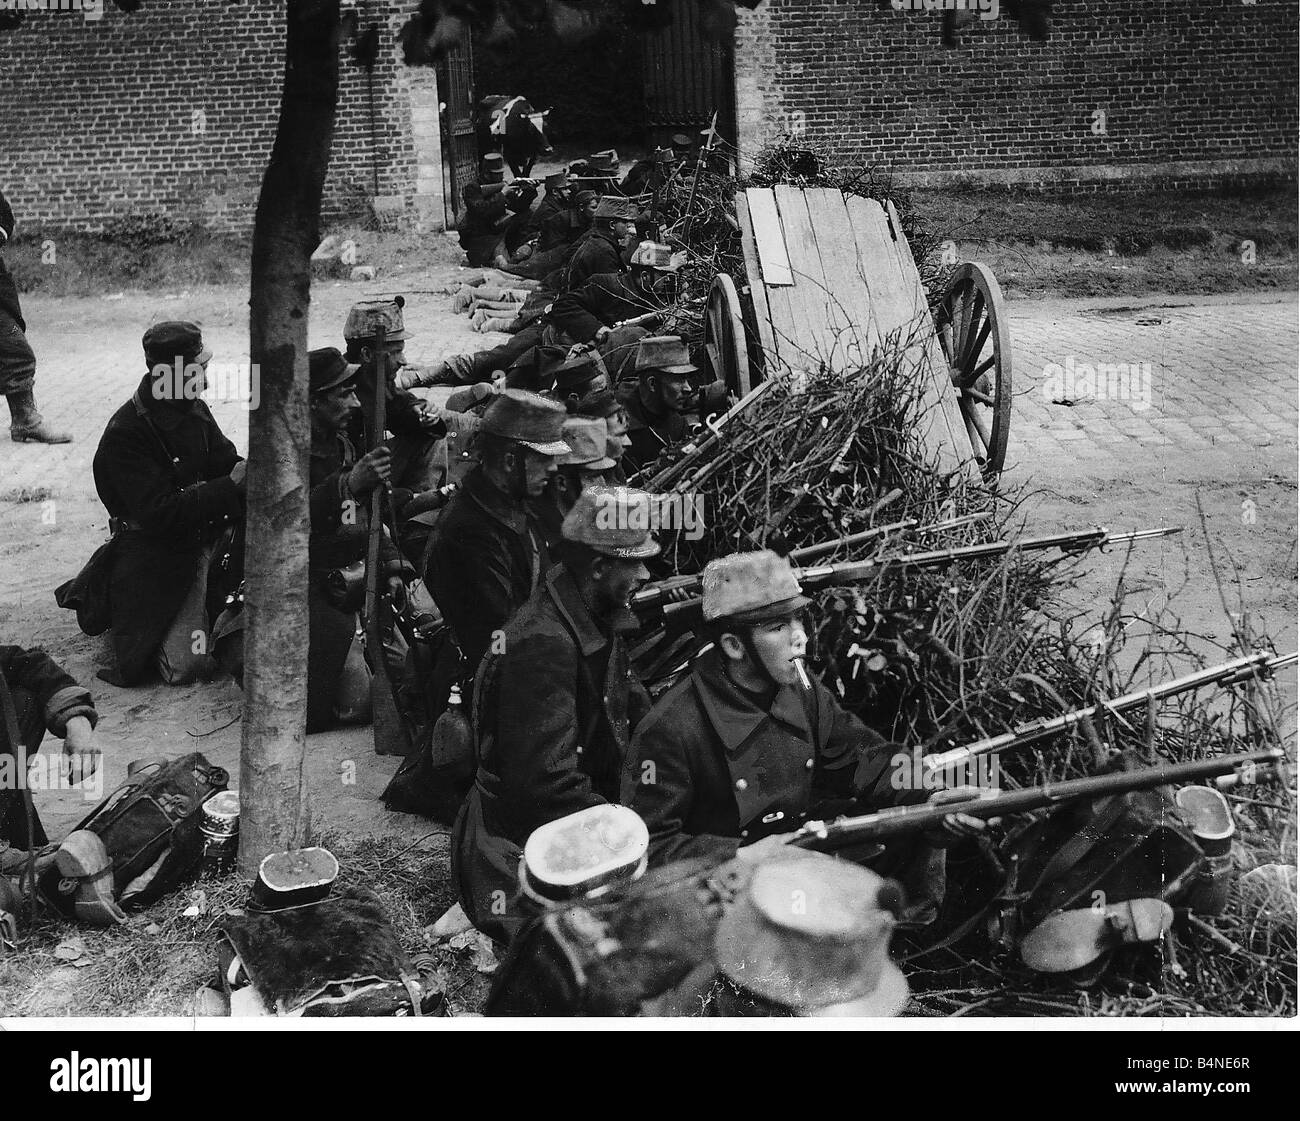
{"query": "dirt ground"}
pixel 51 520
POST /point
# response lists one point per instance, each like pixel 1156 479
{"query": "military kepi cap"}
pixel 329 369
pixel 828 956
pixel 663 354
pixel 612 521
pixel 172 340
pixel 616 208
pixel 586 436
pixel 366 317
pixel 751 588
pixel 527 418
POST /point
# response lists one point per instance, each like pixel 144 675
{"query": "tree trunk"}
pixel 273 802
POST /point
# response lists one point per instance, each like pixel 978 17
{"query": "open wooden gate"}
pixel 459 143
pixel 687 78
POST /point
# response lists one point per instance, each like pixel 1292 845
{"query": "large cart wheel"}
pixel 976 341
pixel 724 336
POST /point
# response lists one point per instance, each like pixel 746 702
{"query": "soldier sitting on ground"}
pixel 488 550
pixel 587 463
pixel 592 312
pixel 45 697
pixel 171 481
pixel 602 249
pixel 341 485
pixel 492 209
pixel 415 427
pixel 742 749
pixel 555 703
pixel 654 401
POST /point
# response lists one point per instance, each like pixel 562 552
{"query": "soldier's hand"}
pixel 765 848
pixel 602 335
pixel 237 474
pixel 397 592
pixel 81 748
pixel 409 377
pixel 957 826
pixel 370 471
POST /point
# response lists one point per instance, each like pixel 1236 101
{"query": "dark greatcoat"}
pixel 714 766
pixel 555 223
pixel 339 537
pixel 487 553
pixel 162 468
pixel 605 299
pixel 650 433
pixel 8 289
pixel 553 714
pixel 596 253
pixel 45 696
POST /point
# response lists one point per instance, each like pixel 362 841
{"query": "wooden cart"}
pixel 831 278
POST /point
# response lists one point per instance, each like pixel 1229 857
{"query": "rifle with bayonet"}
pixel 814 578
pixel 693 452
pixel 1228 673
pixel 827 836
pixel 673 588
pixel 391 736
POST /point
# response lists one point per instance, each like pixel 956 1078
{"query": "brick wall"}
pixel 1194 93
pixel 173 108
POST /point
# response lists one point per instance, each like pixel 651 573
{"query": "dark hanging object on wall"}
pixel 365 47
pixel 1033 16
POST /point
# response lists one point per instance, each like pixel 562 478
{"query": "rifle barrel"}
pixel 1228 673
pixel 848 572
pixel 897 820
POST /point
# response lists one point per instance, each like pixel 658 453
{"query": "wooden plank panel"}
pixel 933 365
pixel 849 319
pixel 892 283
pixel 769 237
pixel 754 271
pixel 810 335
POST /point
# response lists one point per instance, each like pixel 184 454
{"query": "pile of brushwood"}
pixel 944 656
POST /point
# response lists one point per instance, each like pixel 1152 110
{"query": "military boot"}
pixel 27 425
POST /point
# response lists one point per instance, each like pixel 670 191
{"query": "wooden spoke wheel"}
pixel 724 336
pixel 976 342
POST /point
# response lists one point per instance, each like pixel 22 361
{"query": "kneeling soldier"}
pixel 555 704
pixel 748 746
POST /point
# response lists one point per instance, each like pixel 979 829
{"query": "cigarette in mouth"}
pixel 802 671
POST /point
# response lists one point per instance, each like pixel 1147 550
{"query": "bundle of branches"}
pixel 942 656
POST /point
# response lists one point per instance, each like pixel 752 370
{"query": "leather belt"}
pixel 117 525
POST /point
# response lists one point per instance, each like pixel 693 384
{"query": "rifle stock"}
pixel 899 820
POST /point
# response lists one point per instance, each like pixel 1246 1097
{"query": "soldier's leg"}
pixel 31 730
pixel 17 376
pixel 185 654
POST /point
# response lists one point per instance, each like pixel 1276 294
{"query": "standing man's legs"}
pixel 17 374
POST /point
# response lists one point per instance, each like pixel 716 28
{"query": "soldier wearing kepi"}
pixel 415 428
pixel 585 464
pixel 554 707
pixel 488 549
pixel 593 313
pixel 341 485
pixel 655 400
pixel 749 744
pixel 601 251
pixel 17 360
pixel 171 481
